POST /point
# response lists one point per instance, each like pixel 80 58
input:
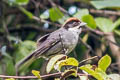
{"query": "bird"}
pixel 61 41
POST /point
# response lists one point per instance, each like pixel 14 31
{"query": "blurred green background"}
pixel 22 22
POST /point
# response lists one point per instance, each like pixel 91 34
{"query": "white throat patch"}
pixel 75 30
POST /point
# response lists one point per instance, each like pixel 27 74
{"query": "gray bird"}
pixel 61 41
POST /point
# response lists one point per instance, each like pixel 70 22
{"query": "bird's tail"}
pixel 25 63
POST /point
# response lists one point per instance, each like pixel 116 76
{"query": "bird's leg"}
pixel 63 46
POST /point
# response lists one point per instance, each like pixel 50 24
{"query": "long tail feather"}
pixel 25 63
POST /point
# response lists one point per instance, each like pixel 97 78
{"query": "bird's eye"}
pixel 75 23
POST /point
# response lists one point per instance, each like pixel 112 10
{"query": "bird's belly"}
pixel 70 46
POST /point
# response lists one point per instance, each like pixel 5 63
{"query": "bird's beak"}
pixel 82 24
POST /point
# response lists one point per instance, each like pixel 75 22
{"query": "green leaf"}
pixel 55 14
pixel 101 72
pixel 85 38
pixel 22 2
pixel 27 13
pixel 117 32
pixel 90 21
pixel 13 38
pixel 18 2
pixel 104 62
pixel 31 35
pixel 23 49
pixel 57 79
pixel 63 19
pixel 45 15
pixel 116 24
pixel 70 61
pixel 68 73
pixel 10 79
pixel 81 13
pixel 52 62
pixel 100 4
pixel 104 24
pixel 10 68
pixel 1 68
pixel 89 70
pixel 36 73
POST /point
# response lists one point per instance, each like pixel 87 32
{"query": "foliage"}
pixel 23 49
pixel 36 73
pixel 10 79
pixel 22 22
pixel 104 62
pixel 106 25
pixel 80 13
pixel 55 14
pixel 52 62
pixel 90 21
pixel 29 14
pixel 18 2
pixel 104 4
pixel 98 72
pixel 66 62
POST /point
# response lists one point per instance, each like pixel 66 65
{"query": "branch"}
pixel 61 8
pixel 31 77
pixel 105 12
pixel 88 59
pixel 34 77
pixel 30 26
pixel 100 33
pixel 45 21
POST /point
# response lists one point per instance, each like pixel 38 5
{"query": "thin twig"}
pixel 45 21
pixel 105 12
pixel 85 60
pixel 101 34
pixel 55 5
pixel 88 59
pixel 31 77
pixel 96 37
pixel 113 42
pixel 30 26
pixel 6 28
pixel 34 77
pixel 97 31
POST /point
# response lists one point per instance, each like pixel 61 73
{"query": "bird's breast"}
pixel 70 40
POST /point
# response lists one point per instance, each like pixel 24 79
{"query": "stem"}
pixel 34 77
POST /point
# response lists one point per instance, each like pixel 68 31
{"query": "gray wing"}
pixel 42 39
pixel 43 46
pixel 46 44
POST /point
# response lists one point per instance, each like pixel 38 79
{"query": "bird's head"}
pixel 73 24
